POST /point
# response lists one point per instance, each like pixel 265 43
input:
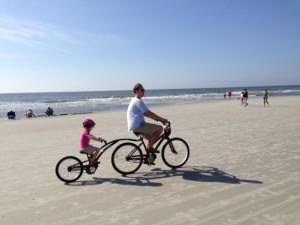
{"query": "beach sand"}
pixel 244 168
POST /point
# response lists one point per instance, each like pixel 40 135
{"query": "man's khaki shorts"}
pixel 148 129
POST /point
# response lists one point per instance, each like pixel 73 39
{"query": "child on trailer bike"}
pixel 136 112
pixel 85 138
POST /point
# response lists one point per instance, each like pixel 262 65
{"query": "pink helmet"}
pixel 88 123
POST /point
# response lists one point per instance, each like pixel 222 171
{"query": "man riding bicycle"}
pixel 136 121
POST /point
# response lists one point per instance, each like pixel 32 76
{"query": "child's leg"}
pixel 95 154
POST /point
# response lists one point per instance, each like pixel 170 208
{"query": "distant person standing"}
pixel 224 95
pixel 245 97
pixel 242 97
pixel 265 97
pixel 229 94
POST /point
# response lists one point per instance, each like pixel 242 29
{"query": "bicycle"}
pixel 127 157
pixel 70 168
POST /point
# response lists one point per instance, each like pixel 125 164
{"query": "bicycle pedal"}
pixel 149 163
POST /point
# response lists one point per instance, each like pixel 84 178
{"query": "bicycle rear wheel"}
pixel 69 169
pixel 127 158
pixel 175 152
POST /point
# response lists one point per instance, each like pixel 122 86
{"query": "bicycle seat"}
pixel 81 152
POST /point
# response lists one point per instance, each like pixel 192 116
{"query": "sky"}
pixel 99 45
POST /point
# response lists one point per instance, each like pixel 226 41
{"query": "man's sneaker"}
pixel 152 150
pixel 148 163
pixel 94 163
pixel 150 159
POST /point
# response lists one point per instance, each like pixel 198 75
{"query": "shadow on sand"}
pixel 191 173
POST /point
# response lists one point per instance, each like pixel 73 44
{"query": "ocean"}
pixel 96 101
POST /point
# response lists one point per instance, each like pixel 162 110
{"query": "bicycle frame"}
pixel 107 145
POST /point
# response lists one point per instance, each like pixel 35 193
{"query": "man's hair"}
pixel 137 87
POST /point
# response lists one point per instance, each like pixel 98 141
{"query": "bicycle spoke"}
pixel 126 158
pixel 69 169
pixel 175 153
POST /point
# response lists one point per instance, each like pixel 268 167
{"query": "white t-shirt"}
pixel 135 113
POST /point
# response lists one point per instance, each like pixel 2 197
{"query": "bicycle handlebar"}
pixel 102 140
pixel 168 123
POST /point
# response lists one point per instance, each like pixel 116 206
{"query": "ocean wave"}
pixel 108 99
pixel 56 101
pixel 82 102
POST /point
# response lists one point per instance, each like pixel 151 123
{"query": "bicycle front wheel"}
pixel 127 158
pixel 175 152
pixel 69 169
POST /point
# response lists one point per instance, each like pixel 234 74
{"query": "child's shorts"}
pixel 89 150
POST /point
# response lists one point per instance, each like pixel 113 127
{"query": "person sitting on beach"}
pixel 136 121
pixel 266 96
pixel 11 115
pixel 29 113
pixel 49 112
pixel 85 138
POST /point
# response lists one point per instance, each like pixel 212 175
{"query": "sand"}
pixel 244 168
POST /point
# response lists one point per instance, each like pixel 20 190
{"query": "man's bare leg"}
pixel 154 138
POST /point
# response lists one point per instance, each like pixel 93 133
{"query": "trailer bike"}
pixel 127 157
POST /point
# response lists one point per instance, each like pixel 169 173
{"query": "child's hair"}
pixel 88 123
pixel 88 128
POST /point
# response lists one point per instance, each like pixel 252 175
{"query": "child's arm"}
pixel 92 137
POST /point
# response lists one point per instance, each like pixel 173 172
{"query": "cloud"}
pixel 35 34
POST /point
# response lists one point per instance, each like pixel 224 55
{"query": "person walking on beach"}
pixel 242 97
pixel 245 97
pixel 265 97
pixel 136 112
pixel 229 94
pixel 85 138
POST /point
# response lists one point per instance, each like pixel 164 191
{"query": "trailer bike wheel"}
pixel 127 158
pixel 175 152
pixel 69 169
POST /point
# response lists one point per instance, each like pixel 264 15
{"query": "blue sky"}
pixel 82 45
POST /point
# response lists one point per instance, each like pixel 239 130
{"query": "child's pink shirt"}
pixel 84 140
